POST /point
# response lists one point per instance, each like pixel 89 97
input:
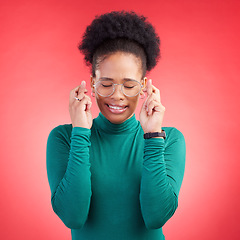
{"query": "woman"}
pixel 114 177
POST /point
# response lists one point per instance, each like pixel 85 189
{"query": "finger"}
pixel 152 97
pixel 78 92
pixel 83 85
pixel 149 87
pixel 84 104
pixel 80 97
pixel 88 103
pixel 79 88
pixel 156 91
pixel 88 106
pixel 74 91
pixel 150 107
pixel 72 95
pixel 82 88
pixel 155 106
pixel 152 89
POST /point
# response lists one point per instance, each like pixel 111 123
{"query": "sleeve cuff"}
pixel 81 131
pixel 80 136
pixel 154 149
pixel 154 142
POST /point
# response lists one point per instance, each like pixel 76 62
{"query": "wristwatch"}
pixel 155 134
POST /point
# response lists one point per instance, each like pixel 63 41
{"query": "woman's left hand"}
pixel 152 112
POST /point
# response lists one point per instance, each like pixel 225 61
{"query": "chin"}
pixel 117 119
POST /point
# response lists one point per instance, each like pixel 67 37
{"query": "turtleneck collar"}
pixel 104 124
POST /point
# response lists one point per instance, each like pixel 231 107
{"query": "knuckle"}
pixel 80 95
pixel 88 98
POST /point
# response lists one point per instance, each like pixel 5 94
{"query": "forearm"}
pixel 71 195
pixel 157 196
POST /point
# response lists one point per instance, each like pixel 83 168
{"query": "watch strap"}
pixel 155 134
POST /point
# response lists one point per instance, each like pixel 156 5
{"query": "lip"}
pixel 117 109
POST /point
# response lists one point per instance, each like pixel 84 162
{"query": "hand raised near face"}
pixel 80 107
pixel 152 112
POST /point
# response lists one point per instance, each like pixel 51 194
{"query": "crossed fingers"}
pixel 78 95
pixel 153 101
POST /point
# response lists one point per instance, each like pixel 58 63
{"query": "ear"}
pixel 92 81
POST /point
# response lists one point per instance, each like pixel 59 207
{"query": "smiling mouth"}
pixel 116 109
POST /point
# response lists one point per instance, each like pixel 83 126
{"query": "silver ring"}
pixel 77 99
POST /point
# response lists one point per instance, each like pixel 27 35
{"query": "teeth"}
pixel 115 107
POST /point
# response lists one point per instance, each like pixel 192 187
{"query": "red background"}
pixel 198 76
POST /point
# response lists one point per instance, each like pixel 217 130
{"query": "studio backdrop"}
pixel 198 76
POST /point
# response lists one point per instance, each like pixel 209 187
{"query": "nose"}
pixel 117 94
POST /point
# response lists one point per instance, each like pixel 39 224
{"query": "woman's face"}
pixel 118 67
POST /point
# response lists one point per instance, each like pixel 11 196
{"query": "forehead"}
pixel 119 66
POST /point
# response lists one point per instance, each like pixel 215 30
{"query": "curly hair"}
pixel 120 31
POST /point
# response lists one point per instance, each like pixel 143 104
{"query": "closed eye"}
pixel 106 85
pixel 129 87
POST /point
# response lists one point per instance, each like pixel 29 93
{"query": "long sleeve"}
pixel 69 175
pixel 163 169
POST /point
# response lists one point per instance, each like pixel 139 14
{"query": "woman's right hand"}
pixel 80 111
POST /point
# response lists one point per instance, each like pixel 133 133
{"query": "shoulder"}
pixel 175 149
pixel 61 132
pixel 173 133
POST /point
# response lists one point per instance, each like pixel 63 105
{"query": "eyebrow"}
pixel 111 79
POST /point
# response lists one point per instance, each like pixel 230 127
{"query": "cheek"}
pixel 98 98
pixel 100 101
pixel 134 102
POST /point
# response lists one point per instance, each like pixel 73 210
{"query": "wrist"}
pixel 161 134
pixel 80 126
pixel 152 130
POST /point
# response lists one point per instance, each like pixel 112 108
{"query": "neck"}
pixel 131 124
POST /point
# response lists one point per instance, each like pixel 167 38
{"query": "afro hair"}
pixel 121 25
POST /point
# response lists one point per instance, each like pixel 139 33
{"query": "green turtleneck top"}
pixel 109 183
